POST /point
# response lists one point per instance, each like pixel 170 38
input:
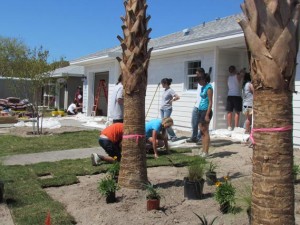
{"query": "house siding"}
pixel 175 67
pixel 296 107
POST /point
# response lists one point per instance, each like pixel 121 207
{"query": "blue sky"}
pixel 72 29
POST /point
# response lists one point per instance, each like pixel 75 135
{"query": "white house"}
pixel 214 46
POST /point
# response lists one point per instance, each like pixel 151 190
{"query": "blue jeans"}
pixel 196 134
pixel 167 113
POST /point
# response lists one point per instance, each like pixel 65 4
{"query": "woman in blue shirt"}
pixel 205 111
pixel 156 133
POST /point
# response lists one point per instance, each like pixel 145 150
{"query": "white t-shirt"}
pixel 198 96
pixel 72 108
pixel 116 109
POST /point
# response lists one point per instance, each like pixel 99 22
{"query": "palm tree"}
pixel 271 33
pixel 134 66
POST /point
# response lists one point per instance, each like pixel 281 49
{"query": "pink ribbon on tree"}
pixel 136 136
pixel 275 129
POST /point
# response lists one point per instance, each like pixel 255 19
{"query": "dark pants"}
pixel 112 149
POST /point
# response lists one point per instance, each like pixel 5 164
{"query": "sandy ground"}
pixel 88 207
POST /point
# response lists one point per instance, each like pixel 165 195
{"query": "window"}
pixel 191 74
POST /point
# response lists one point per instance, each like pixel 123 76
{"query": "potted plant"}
pixel 108 187
pixel 193 184
pixel 153 197
pixel 211 175
pixel 225 195
pixel 113 170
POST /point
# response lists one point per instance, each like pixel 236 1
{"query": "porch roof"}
pixel 217 29
pixel 70 71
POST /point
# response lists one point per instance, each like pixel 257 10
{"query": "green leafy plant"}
pixel 108 185
pixel 225 192
pixel 114 169
pixel 296 170
pixel 204 221
pixel 152 192
pixel 196 170
pixel 211 167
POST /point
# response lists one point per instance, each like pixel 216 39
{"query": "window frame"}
pixel 195 66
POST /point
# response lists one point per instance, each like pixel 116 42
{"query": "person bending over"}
pixel 72 109
pixel 110 140
pixel 156 133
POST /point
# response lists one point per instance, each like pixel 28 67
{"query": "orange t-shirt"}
pixel 114 132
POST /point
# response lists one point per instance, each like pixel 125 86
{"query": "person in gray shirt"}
pixel 168 97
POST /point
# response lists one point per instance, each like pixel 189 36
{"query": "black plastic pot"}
pixel 211 178
pixel 111 197
pixel 193 189
pixel 224 208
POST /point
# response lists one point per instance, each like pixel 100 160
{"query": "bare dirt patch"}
pixel 87 206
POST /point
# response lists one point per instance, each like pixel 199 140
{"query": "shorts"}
pixel 247 110
pixel 202 114
pixel 112 149
pixel 234 103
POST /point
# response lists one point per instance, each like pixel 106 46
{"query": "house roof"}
pixel 72 71
pixel 218 28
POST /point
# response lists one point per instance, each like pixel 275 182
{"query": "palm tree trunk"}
pixel 273 186
pixel 134 66
pixel 271 29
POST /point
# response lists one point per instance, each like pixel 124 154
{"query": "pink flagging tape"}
pixel 275 129
pixel 136 136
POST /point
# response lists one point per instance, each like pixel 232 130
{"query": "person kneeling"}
pixel 110 140
pixel 72 109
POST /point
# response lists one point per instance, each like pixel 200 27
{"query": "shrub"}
pixel 196 170
pixel 108 185
pixel 225 192
pixel 152 192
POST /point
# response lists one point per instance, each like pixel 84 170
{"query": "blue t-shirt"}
pixel 204 97
pixel 154 124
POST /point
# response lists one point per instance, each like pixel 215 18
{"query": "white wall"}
pixel 296 106
pixel 174 66
pixel 226 59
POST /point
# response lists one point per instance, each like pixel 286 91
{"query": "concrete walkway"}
pixel 32 158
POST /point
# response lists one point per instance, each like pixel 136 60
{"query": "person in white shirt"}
pixel 116 104
pixel 72 109
pixel 234 97
pixel 196 134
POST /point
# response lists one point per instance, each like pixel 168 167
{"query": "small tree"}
pixel 30 66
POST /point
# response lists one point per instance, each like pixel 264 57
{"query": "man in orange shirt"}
pixel 110 140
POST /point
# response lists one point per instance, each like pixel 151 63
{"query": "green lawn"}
pixel 28 201
pixel 11 145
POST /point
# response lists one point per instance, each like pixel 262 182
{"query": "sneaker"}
pixel 204 155
pixel 191 140
pixel 95 159
pixel 230 128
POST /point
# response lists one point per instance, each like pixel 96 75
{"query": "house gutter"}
pixel 111 56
